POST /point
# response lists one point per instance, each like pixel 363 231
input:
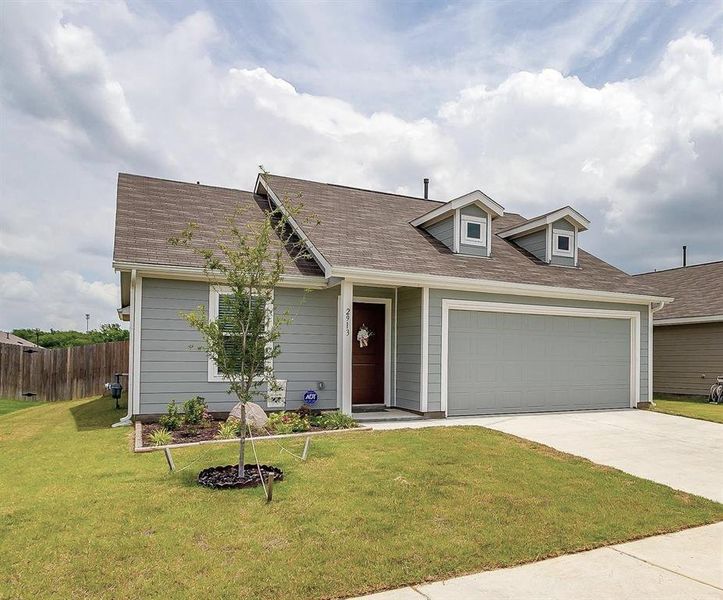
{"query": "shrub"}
pixel 288 422
pixel 195 413
pixel 334 420
pixel 161 437
pixel 172 419
pixel 229 429
pixel 303 410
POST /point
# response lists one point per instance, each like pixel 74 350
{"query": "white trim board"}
pixel 476 197
pixel 482 222
pixel 424 358
pixel 566 212
pixel 687 320
pixel 563 311
pixel 318 256
pixel 198 274
pixel 398 278
pixel 556 235
pixel 136 324
pixel 387 302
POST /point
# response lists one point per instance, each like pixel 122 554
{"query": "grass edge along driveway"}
pixel 82 516
pixel 693 408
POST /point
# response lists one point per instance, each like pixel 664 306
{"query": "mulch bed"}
pixel 226 477
pixel 202 434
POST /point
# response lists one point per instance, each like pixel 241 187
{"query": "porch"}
pixel 380 352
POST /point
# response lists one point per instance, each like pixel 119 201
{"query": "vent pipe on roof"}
pixel 426 188
pixel 685 256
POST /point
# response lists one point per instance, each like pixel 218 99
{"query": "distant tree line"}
pixel 108 332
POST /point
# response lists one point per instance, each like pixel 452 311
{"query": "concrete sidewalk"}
pixel 687 564
pixel 676 451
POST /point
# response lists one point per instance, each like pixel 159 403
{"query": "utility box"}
pixel 276 396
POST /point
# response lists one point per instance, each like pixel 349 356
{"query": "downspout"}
pixel 654 307
pixel 126 421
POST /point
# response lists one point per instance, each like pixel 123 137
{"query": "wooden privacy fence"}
pixel 60 373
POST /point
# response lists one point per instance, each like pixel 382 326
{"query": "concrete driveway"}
pixel 676 451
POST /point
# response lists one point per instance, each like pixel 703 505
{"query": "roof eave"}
pixel 689 320
pixel 490 285
pixel 200 274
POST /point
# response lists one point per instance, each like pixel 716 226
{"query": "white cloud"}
pixel 86 94
pixel 57 300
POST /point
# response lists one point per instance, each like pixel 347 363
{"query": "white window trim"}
pixel 474 305
pixel 557 234
pixel 482 222
pixel 213 295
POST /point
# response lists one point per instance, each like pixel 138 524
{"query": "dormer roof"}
pixel 566 212
pixel 475 197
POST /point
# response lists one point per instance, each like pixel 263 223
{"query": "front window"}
pixel 562 243
pixel 474 231
pixel 238 347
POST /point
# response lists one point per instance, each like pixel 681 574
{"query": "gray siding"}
pixel 473 211
pixel 172 370
pixel 443 231
pixel 566 261
pixel 687 358
pixel 435 331
pixel 534 243
pixel 563 224
pixel 409 347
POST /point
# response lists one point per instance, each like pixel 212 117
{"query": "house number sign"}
pixel 347 322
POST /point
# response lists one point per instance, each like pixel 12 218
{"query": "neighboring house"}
pixel 474 310
pixel 688 334
pixel 10 338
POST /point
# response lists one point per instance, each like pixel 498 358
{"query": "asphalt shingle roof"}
pixel 697 289
pixel 371 230
pixel 150 211
pixel 357 229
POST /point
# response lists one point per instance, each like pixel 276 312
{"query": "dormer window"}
pixel 562 243
pixel 464 224
pixel 551 237
pixel 474 230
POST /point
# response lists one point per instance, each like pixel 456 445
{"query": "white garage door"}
pixel 508 362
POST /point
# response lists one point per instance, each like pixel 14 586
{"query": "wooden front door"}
pixel 367 362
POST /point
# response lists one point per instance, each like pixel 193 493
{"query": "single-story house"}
pixel 13 340
pixel 473 310
pixel 688 334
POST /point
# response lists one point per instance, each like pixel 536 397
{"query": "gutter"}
pixel 199 274
pixel 396 278
pixel 689 320
pixel 126 421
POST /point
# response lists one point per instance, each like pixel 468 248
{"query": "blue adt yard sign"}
pixel 310 397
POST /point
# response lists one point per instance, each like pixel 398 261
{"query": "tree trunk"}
pixel 242 443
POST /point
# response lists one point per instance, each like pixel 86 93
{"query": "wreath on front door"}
pixel 363 336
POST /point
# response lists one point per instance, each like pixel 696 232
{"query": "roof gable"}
pixel 475 197
pixel 566 212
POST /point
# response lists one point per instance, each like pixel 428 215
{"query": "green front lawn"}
pixel 693 408
pixel 7 405
pixel 81 516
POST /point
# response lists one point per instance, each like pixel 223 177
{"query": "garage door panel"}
pixel 510 362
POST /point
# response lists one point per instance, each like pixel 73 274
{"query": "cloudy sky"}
pixel 613 108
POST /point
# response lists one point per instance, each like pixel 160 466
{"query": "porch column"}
pixel 345 325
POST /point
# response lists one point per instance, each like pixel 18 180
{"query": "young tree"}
pixel 249 261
